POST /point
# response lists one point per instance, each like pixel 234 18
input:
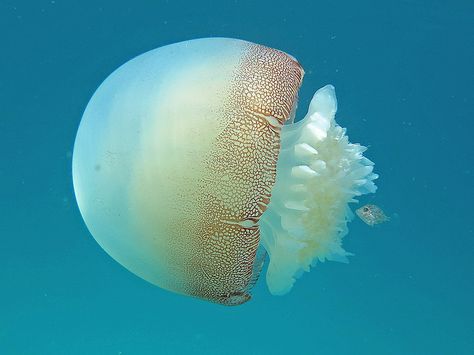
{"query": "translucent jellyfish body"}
pixel 186 173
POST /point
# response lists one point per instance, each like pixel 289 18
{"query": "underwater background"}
pixel 403 72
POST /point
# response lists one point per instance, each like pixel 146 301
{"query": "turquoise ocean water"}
pixel 403 72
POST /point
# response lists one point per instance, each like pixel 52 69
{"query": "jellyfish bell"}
pixel 186 173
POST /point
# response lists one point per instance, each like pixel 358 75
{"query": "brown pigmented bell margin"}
pixel 242 172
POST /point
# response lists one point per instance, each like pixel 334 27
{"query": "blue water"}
pixel 403 72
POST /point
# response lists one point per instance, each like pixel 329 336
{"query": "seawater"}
pixel 404 80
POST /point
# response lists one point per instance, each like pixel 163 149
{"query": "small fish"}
pixel 371 214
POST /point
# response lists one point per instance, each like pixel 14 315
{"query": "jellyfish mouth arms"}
pixel 319 173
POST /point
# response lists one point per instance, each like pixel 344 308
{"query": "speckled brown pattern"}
pixel 242 167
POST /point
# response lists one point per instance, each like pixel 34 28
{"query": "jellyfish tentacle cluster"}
pixel 319 173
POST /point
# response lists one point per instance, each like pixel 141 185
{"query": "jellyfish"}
pixel 188 170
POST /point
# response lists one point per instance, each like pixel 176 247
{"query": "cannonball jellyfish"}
pixel 188 170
